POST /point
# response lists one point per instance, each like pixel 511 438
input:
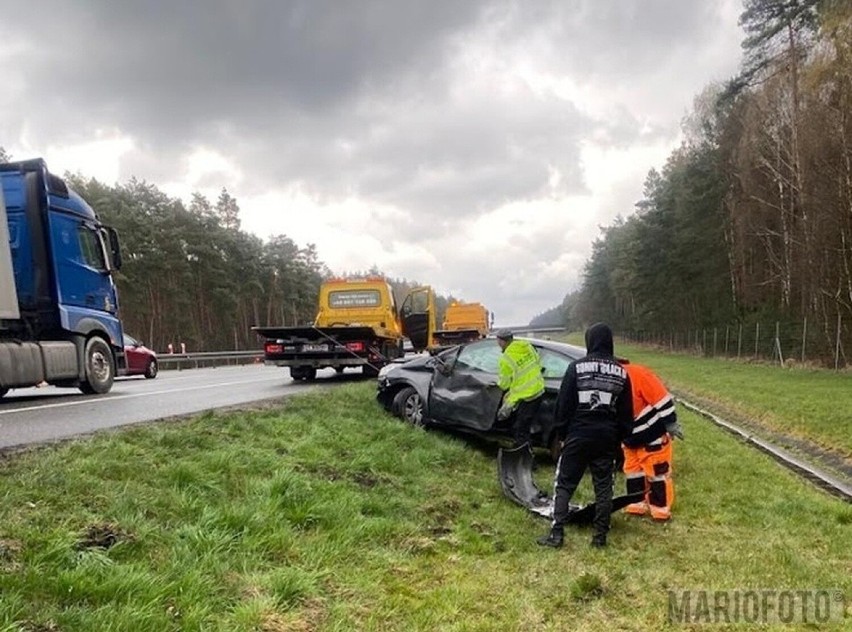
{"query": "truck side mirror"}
pixel 114 247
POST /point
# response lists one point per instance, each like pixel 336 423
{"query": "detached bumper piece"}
pixel 514 471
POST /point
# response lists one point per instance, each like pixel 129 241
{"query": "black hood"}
pixel 599 340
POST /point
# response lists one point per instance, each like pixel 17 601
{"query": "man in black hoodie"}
pixel 595 412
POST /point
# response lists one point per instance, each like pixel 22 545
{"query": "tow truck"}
pixel 357 325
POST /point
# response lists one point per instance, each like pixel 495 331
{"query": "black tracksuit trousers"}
pixel 578 453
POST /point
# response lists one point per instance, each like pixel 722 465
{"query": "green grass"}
pixel 328 514
pixel 802 402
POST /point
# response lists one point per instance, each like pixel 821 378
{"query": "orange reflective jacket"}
pixel 653 406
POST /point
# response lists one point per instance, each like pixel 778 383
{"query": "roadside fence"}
pixel 784 343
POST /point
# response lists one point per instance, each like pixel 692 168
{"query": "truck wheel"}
pixel 100 369
pixel 303 373
pixel 410 406
pixel 151 370
pixel 370 371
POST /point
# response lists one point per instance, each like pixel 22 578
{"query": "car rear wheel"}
pixel 151 370
pixel 409 405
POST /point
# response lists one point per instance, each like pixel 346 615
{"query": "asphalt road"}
pixel 35 415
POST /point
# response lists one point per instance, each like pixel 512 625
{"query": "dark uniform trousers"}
pixel 523 418
pixel 578 453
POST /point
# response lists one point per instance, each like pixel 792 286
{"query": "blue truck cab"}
pixel 59 318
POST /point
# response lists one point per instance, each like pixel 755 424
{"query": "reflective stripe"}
pixel 659 479
pixel 652 420
pixel 511 361
pixel 645 411
pixel 639 474
pixel 664 402
pixel 532 379
pixel 555 483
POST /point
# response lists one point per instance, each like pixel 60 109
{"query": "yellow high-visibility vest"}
pixel 520 372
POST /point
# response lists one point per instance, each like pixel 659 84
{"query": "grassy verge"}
pixel 811 404
pixel 328 514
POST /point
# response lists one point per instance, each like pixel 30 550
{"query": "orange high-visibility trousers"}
pixel 649 469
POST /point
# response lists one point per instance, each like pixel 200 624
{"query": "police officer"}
pixel 520 376
pixel 594 412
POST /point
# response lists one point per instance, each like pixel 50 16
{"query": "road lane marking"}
pixel 112 398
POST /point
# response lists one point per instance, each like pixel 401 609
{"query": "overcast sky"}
pixel 473 145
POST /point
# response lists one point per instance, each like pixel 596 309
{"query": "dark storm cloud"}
pixel 342 97
pixel 207 61
pixel 226 74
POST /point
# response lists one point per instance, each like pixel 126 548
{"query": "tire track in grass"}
pixel 813 474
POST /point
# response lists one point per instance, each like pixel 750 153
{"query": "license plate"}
pixel 314 347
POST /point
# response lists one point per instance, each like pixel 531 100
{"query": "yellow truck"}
pixel 463 322
pixel 357 325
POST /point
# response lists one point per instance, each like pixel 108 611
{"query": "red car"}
pixel 140 359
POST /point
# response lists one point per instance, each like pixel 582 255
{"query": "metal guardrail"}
pixel 178 360
pixel 811 473
pixel 206 357
pixel 526 329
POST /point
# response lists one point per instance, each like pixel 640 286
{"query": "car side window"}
pixel 481 356
pixel 553 364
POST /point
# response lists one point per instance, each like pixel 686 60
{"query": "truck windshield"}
pixel 354 298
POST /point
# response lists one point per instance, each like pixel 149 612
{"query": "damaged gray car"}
pixel 457 389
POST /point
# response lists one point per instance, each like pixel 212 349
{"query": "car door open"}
pixel 465 394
